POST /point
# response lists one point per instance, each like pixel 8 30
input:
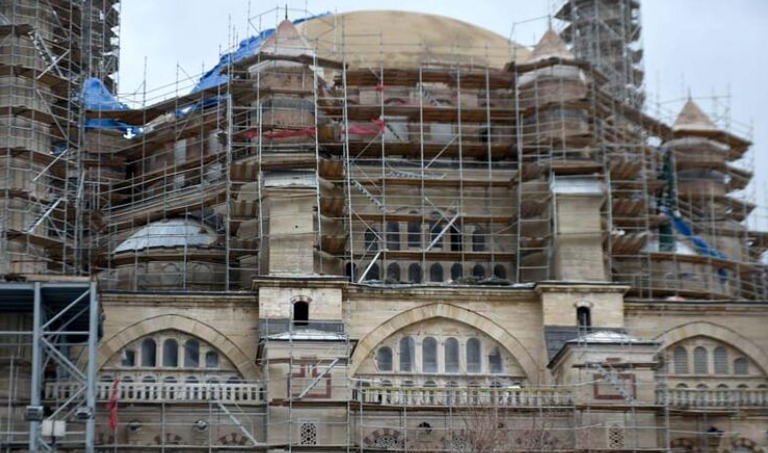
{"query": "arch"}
pixel 185 324
pixel 429 355
pixel 393 272
pixel 170 353
pixel 191 353
pixel 482 323
pixel 457 271
pixel 414 273
pixel 300 313
pixel 436 272
pixel 716 332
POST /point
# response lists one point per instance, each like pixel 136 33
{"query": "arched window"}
pixel 434 234
pixel 741 366
pixel 702 387
pixel 429 355
pixel 414 273
pixel 149 379
pixel 495 361
pixel 722 387
pixel 742 386
pixel 393 272
pixel 721 360
pixel 192 354
pixel 436 272
pixel 371 240
pixel 680 358
pixel 700 365
pixel 478 240
pixel 384 358
pixel 300 313
pixel 456 239
pixel 407 354
pixel 478 272
pixel 373 273
pixel 211 359
pixel 584 317
pixel 457 272
pixel 681 386
pixel 414 235
pixel 451 355
pixel 474 364
pixel 500 272
pixel 148 353
pixel 129 358
pixel 171 353
pixel 393 236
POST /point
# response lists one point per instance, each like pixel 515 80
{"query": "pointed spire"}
pixel 550 46
pixel 285 40
pixel 692 118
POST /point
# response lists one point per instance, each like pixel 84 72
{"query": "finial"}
pixel 286 11
pixel 549 21
pixel 689 94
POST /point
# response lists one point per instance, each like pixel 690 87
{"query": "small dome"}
pixel 168 233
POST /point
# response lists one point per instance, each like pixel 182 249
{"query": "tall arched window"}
pixel 700 365
pixel 474 363
pixel 457 272
pixel 211 359
pixel 171 353
pixel 478 272
pixel 192 354
pixel 129 358
pixel 584 317
pixel 721 360
pixel 478 240
pixel 414 235
pixel 148 353
pixel 741 366
pixel 371 240
pixel 456 239
pixel 373 273
pixel 680 358
pixel 436 272
pixel 434 234
pixel 495 361
pixel 393 236
pixel 429 355
pixel 500 272
pixel 384 358
pixel 407 354
pixel 300 313
pixel 451 355
pixel 414 273
pixel 393 272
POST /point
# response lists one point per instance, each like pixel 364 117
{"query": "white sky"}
pixel 705 46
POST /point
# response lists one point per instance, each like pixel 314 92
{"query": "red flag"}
pixel 112 404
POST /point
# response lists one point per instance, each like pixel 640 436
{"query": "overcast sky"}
pixel 705 46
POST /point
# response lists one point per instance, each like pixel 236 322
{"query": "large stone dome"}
pixel 405 39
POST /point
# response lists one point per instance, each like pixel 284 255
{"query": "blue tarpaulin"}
pixel 682 227
pixel 96 96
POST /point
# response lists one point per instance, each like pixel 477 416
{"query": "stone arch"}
pixel 744 443
pixel 184 324
pixel 441 310
pixel 370 440
pixel 720 333
pixel 689 445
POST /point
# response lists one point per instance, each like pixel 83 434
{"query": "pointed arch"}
pixel 716 332
pixel 370 342
pixel 190 326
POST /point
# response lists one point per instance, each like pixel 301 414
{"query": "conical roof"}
pixel 550 46
pixel 692 118
pixel 286 40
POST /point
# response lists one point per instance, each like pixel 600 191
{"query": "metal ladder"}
pixel 48 56
pixel 44 215
pixel 609 376
pixel 370 196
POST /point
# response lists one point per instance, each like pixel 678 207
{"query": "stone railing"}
pixel 436 396
pixel 714 398
pixel 148 392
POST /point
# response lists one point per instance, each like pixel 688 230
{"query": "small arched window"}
pixel 393 236
pixel 500 272
pixel 374 273
pixel 393 272
pixel 300 313
pixel 478 240
pixel 429 355
pixel 148 353
pixel 414 235
pixel 478 272
pixel 371 240
pixel 457 272
pixel 680 358
pixel 407 354
pixel 384 358
pixel 414 273
pixel 495 361
pixel 721 360
pixel 211 359
pixel 192 354
pixel 741 366
pixel 584 317
pixel 436 272
pixel 451 355
pixel 149 379
pixel 700 365
pixel 129 358
pixel 171 353
pixel 474 364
